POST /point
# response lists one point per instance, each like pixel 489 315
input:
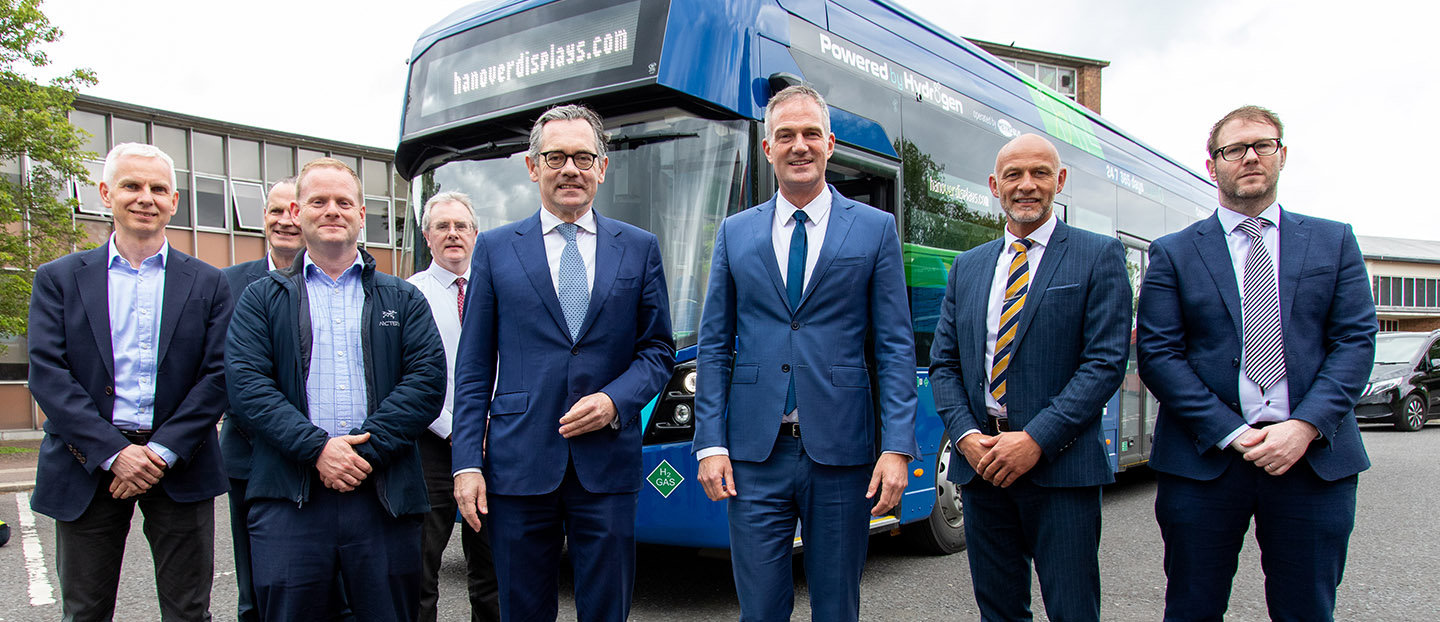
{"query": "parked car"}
pixel 1404 386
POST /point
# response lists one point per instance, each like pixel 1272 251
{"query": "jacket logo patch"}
pixel 388 318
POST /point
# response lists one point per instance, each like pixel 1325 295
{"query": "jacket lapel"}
pixel 840 220
pixel 1294 241
pixel 94 281
pixel 179 279
pixel 1050 262
pixel 530 250
pixel 979 303
pixel 1210 243
pixel 762 235
pixel 608 256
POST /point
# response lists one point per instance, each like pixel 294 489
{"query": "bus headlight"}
pixel 688 382
pixel 683 413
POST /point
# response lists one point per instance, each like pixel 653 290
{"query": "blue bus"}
pixel 918 114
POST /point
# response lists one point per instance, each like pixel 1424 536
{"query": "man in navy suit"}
pixel 285 242
pixel 126 360
pixel 1256 330
pixel 786 427
pixel 573 308
pixel 1031 344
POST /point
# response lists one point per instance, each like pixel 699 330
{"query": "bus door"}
pixel 1137 406
pixel 869 179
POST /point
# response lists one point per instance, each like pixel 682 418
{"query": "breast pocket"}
pixel 626 282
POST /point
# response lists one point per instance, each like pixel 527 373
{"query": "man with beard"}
pixel 1031 344
pixel 1256 330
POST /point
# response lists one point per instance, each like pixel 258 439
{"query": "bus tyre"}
pixel 943 532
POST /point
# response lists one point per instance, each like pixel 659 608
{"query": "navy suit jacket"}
pixel 73 380
pixel 1069 353
pixel 234 440
pixel 513 318
pixel 1189 339
pixel 855 293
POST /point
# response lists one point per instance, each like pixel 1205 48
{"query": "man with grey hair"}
pixel 567 337
pixel 448 224
pixel 126 359
pixel 804 281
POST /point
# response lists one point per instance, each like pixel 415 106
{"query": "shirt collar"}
pixel 446 277
pixel 312 269
pixel 817 209
pixel 1040 237
pixel 549 221
pixel 1229 219
pixel 115 253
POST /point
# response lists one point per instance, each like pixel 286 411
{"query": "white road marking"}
pixel 41 592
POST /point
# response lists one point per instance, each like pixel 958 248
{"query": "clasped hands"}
pixel 1278 447
pixel 1000 459
pixel 136 468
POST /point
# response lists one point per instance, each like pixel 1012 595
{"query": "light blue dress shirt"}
pixel 136 298
pixel 335 386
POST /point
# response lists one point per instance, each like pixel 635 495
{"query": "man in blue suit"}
pixel 126 360
pixel 786 427
pixel 573 308
pixel 283 237
pixel 1257 332
pixel 1031 344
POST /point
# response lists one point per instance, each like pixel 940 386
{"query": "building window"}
pixel 279 162
pixel 377 221
pixel 210 203
pixel 90 190
pixel 1390 325
pixel 127 131
pixel 244 159
pixel 1409 288
pixel 249 201
pixel 1059 79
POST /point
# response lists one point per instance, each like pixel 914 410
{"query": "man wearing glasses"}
pixel 1256 330
pixel 566 337
pixel 449 225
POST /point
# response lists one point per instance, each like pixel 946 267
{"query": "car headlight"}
pixel 688 382
pixel 682 414
pixel 1381 386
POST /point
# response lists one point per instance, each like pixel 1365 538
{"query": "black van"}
pixel 1404 385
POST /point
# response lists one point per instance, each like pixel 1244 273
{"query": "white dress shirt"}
pixel 438 285
pixel 1040 238
pixel 1256 404
pixel 555 245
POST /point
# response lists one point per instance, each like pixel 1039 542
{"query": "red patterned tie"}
pixel 460 296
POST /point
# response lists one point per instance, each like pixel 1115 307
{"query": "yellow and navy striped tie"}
pixel 1016 286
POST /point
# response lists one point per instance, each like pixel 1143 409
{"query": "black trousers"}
pixel 89 551
pixel 435 535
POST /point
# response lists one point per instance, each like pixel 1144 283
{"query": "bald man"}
pixel 1022 398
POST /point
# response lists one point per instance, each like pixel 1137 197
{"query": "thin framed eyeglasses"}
pixel 1232 153
pixel 556 159
pixel 457 227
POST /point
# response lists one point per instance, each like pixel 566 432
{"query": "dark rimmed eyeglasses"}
pixel 1232 153
pixel 556 159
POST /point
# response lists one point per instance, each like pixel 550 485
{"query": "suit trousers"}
pixel 1058 529
pixel 240 535
pixel 834 516
pixel 435 535
pixel 527 532
pixel 89 551
pixel 298 552
pixel 1302 524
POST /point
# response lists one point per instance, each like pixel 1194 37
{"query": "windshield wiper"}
pixel 640 140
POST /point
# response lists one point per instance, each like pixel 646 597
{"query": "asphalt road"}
pixel 1394 555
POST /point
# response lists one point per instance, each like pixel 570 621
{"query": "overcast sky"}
pixel 1353 81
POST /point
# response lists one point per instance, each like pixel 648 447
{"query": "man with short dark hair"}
pixel 283 237
pixel 1031 344
pixel 449 225
pixel 786 428
pixel 1256 330
pixel 566 338
pixel 337 368
pixel 126 354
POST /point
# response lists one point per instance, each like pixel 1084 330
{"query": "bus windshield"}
pixel 671 173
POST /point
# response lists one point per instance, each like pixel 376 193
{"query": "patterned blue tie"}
pixel 574 287
pixel 795 285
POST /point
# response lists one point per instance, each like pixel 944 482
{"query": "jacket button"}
pixel 109 390
pixel 785 368
pixel 574 351
pixel 794 326
pixel 1234 362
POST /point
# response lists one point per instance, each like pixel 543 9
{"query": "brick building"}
pixel 1405 280
pixel 1072 76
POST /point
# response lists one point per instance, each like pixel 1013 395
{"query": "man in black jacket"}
pixel 337 369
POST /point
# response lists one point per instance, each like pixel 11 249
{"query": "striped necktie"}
pixel 1264 343
pixel 1017 284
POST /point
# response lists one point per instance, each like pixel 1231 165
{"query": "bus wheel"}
pixel 943 532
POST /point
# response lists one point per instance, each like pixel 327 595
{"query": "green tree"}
pixel 36 224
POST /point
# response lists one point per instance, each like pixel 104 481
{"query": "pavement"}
pixel 19 451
